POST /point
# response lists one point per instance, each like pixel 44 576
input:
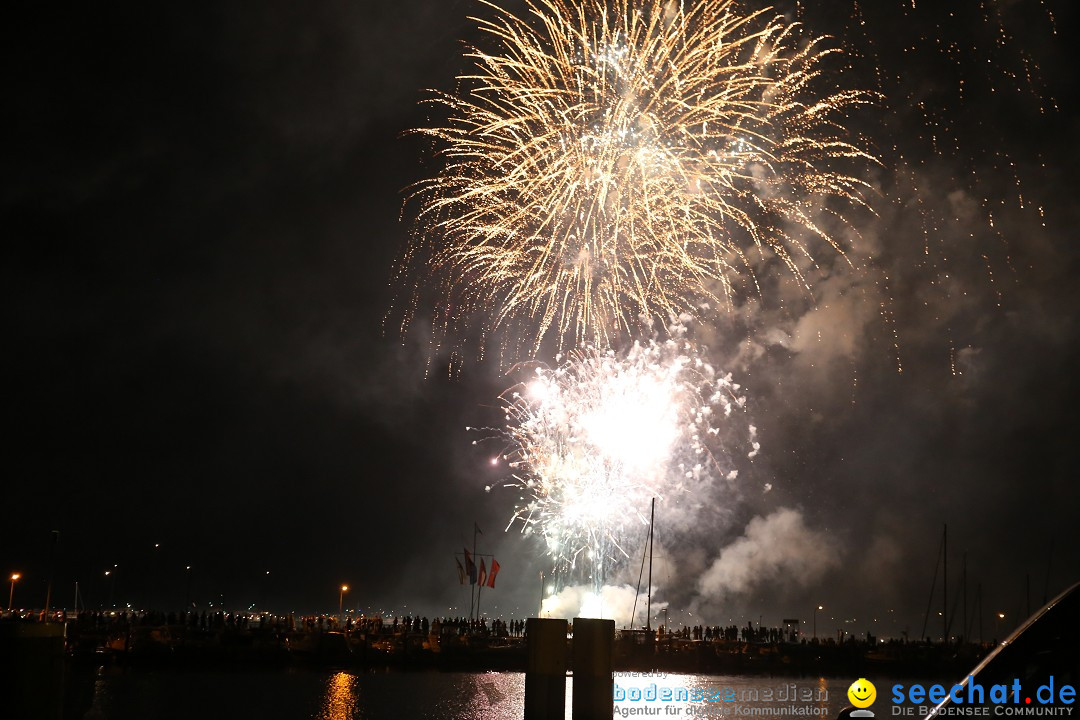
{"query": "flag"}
pixel 477 528
pixel 483 573
pixel 494 572
pixel 470 567
pixel 460 572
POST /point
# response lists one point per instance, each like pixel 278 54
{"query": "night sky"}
pixel 202 210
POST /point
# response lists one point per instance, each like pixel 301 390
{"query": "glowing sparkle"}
pixel 617 159
pixel 608 432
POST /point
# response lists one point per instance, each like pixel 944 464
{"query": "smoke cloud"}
pixel 613 602
pixel 779 545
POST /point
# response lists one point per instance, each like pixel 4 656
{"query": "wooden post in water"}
pixel 594 645
pixel 545 670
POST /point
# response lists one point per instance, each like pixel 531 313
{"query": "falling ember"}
pixel 617 159
pixel 594 439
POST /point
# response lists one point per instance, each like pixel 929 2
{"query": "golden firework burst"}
pixel 611 160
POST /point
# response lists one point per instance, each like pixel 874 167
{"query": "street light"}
pixel 151 580
pixel 187 569
pixel 341 599
pixel 819 607
pixel 112 585
pixel 11 595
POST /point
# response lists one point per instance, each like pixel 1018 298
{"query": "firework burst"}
pixel 594 439
pixel 619 159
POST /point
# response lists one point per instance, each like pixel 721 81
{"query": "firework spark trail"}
pixel 594 439
pixel 944 72
pixel 618 159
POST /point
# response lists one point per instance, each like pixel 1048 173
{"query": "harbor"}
pixel 457 644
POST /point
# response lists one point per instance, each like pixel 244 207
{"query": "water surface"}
pixel 295 693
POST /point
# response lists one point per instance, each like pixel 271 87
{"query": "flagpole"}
pixel 462 582
pixel 473 575
pixel 479 580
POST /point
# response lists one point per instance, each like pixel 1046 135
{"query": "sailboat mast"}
pixel 652 520
pixel 963 589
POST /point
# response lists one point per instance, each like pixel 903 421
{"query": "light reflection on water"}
pixel 340 700
pixel 483 696
pixel 305 694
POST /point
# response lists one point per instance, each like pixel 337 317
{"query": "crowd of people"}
pixel 214 620
pixel 733 633
pixel 220 620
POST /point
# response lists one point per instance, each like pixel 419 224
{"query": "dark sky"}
pixel 202 211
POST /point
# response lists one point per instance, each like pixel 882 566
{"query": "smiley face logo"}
pixel 862 693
